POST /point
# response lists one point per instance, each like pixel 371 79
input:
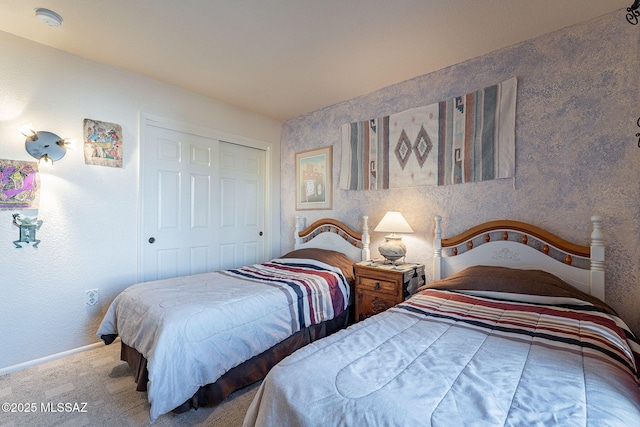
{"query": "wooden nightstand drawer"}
pixel 382 286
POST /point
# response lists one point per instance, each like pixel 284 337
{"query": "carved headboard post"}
pixel 597 258
pixel 437 249
pixel 366 252
pixel 297 232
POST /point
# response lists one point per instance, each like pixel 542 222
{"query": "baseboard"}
pixel 51 358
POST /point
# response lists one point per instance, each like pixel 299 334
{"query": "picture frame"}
pixel 314 179
pixel 19 185
pixel 102 143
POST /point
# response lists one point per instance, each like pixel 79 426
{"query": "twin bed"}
pixel 193 340
pixel 512 331
pixel 509 333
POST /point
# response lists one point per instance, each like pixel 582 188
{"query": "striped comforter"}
pixel 447 358
pixel 568 325
pixel 193 329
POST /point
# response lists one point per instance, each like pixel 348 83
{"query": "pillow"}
pixel 334 258
pixel 517 281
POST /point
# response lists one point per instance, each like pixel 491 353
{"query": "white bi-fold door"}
pixel 202 203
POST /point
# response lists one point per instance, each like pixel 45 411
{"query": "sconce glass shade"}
pixel 45 145
pixel 393 248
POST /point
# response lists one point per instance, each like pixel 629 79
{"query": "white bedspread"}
pixel 193 329
pixel 433 361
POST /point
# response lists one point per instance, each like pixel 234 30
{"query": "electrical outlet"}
pixel 91 297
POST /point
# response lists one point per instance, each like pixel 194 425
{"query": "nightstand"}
pixel 380 286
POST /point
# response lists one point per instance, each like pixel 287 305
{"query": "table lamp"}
pixel 393 248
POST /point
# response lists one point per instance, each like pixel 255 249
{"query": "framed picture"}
pixel 102 143
pixel 313 179
pixel 19 185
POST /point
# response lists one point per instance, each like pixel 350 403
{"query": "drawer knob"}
pixel 377 286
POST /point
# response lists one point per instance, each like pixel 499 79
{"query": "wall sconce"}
pixel 393 248
pixel 44 145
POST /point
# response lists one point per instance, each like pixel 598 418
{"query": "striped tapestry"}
pixel 468 138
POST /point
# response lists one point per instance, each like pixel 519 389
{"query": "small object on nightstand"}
pixel 380 286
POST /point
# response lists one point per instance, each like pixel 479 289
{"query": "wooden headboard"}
pixel 332 234
pixel 517 244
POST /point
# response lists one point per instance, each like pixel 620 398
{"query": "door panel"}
pixel 251 199
pixel 242 177
pixel 168 191
pixel 177 191
pixel 200 201
pixel 228 206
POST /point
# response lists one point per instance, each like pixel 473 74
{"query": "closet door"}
pixel 242 205
pixel 202 203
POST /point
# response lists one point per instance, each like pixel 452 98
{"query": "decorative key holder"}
pixel 28 227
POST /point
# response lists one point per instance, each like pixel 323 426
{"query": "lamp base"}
pixel 393 248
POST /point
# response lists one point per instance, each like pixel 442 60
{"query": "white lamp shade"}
pixel 393 222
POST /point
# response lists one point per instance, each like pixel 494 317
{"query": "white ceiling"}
pixel 284 58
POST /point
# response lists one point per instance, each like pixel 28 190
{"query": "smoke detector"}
pixel 48 17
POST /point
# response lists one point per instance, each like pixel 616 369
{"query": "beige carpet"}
pixel 95 388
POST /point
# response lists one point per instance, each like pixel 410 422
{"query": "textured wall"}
pixel 90 213
pixel 576 153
